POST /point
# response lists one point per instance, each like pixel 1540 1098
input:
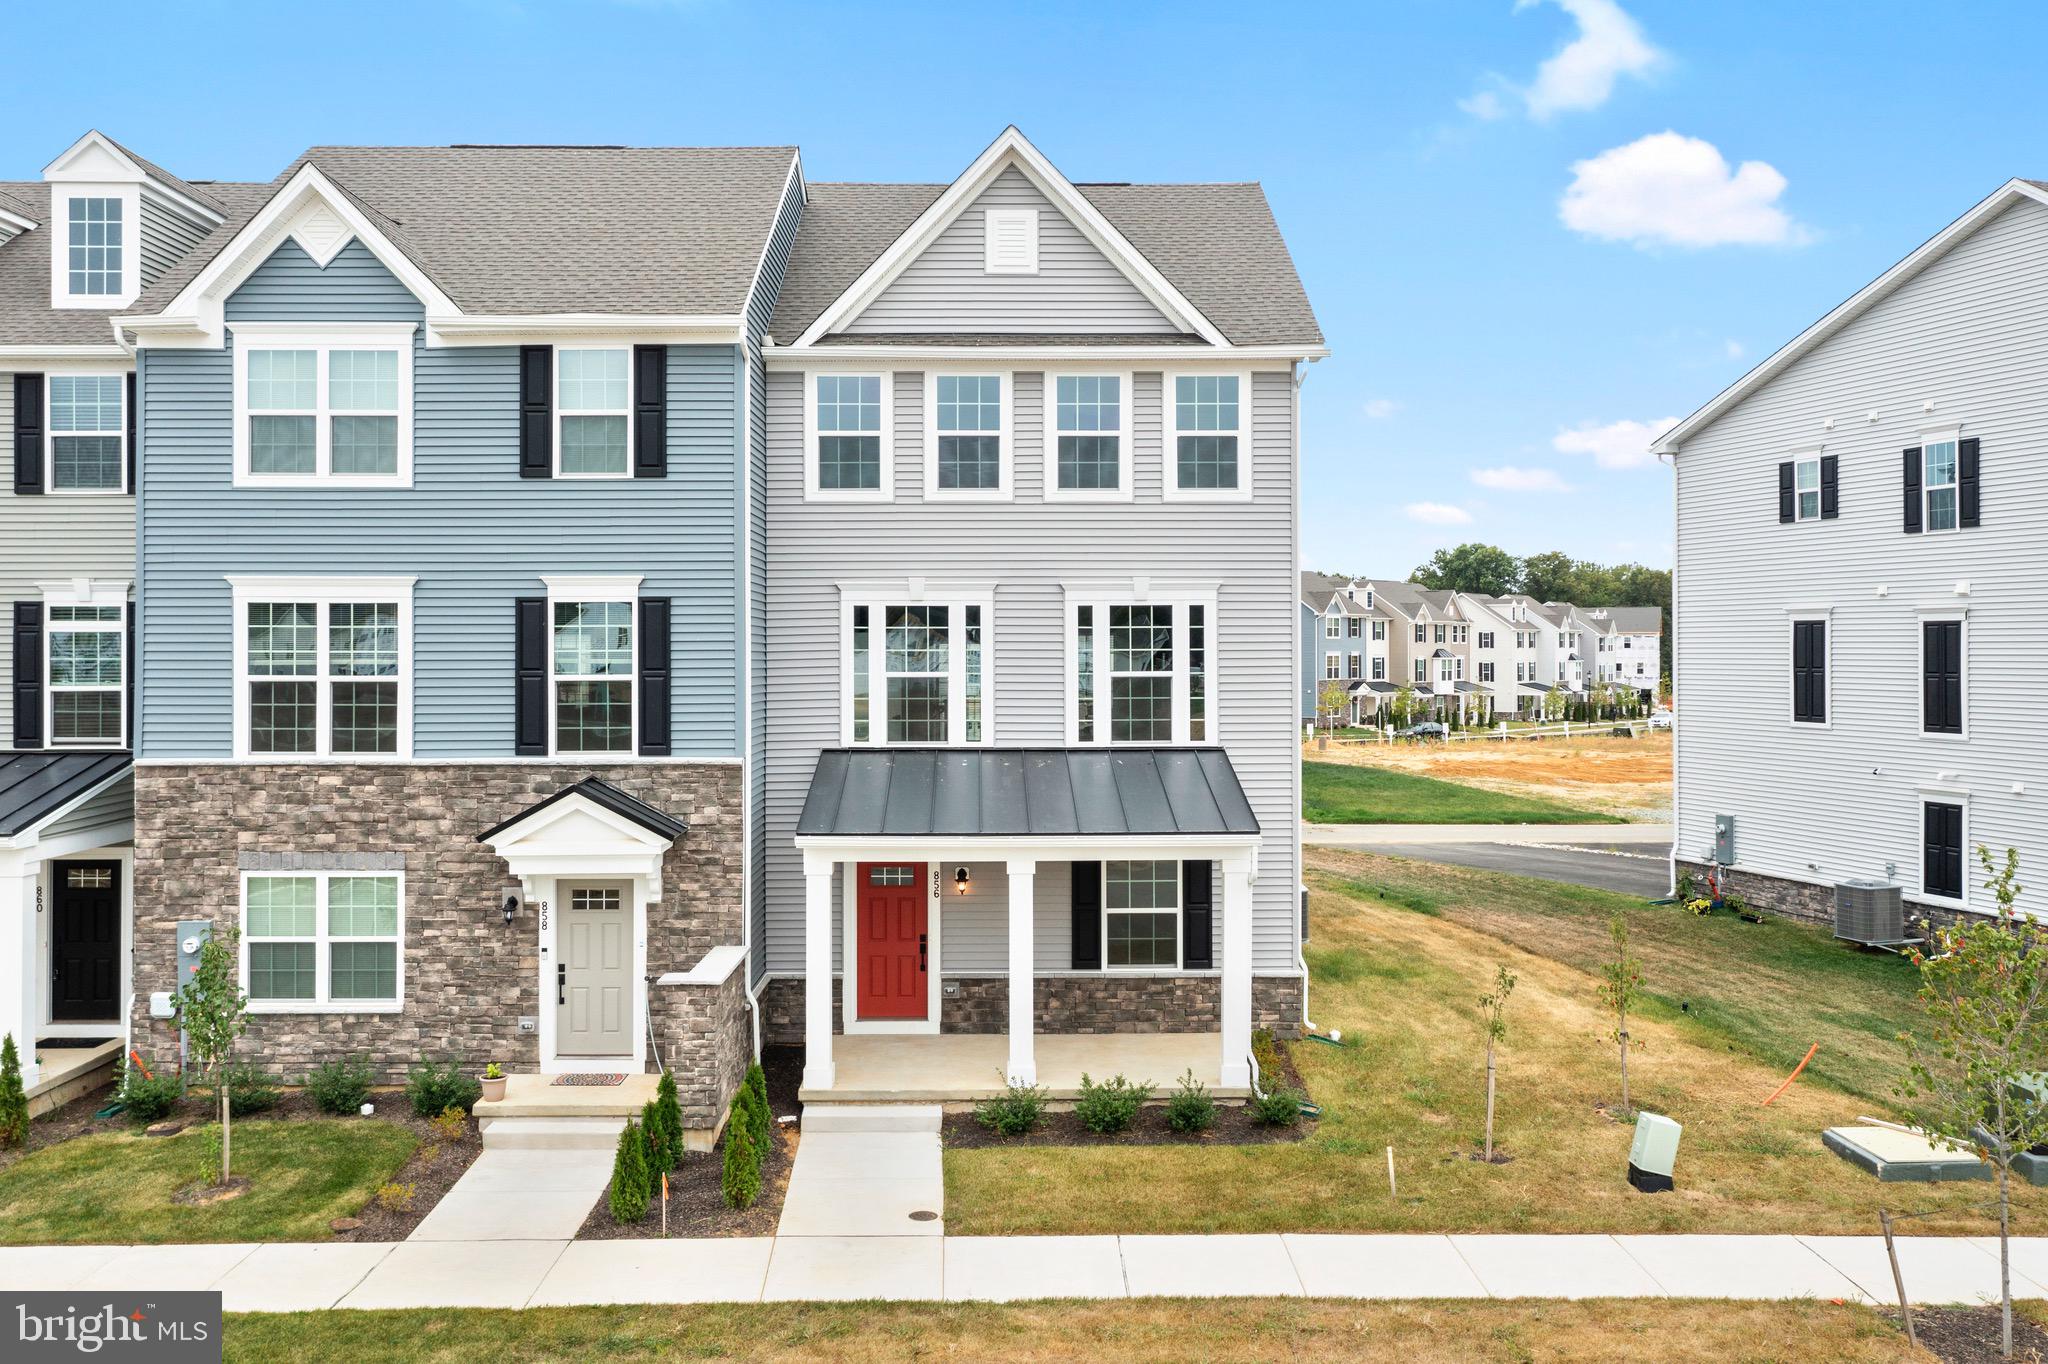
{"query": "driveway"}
pixel 1629 858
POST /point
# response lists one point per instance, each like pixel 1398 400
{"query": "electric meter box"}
pixel 192 935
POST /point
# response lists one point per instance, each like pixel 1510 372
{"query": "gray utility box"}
pixel 1653 1154
pixel 192 935
pixel 1869 912
pixel 1724 840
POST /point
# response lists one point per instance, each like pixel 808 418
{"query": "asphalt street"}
pixel 1630 859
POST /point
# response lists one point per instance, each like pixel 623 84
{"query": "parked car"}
pixel 1428 729
pixel 1660 719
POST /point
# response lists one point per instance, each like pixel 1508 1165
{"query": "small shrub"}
pixel 250 1089
pixel 1017 1110
pixel 396 1197
pixel 757 1081
pixel 655 1148
pixel 493 1071
pixel 434 1088
pixel 671 1117
pixel 450 1124
pixel 13 1097
pixel 746 1109
pixel 340 1086
pixel 1108 1108
pixel 1190 1108
pixel 1266 1052
pixel 1279 1107
pixel 740 1180
pixel 628 1198
pixel 148 1099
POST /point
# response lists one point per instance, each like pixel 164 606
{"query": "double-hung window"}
pixel 1379 630
pixel 88 433
pixel 321 942
pixel 1142 671
pixel 593 410
pixel 967 439
pixel 1089 437
pixel 1810 672
pixel 1141 915
pixel 1938 482
pixel 594 676
pixel 1421 633
pixel 324 667
pixel 1379 668
pixel 1354 627
pixel 87 693
pixel 1486 639
pixel 1333 627
pixel 847 425
pixel 1331 670
pixel 1486 672
pixel 1205 438
pixel 1356 666
pixel 1422 670
pixel 323 405
pixel 1806 489
pixel 917 672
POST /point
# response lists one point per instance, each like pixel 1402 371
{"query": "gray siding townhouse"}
pixel 76 247
pixel 444 529
pixel 1344 639
pixel 1032 739
pixel 1875 490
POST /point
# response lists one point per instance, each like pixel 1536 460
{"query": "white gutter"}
pixel 1208 356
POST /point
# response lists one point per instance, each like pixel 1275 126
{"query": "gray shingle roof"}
pixel 13 203
pixel 36 785
pixel 1634 620
pixel 1018 792
pixel 1217 244
pixel 202 193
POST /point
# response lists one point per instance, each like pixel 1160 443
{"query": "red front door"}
pixel 890 953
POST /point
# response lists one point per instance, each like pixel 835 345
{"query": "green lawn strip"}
pixel 117 1187
pixel 1337 793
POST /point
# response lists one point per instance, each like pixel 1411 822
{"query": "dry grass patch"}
pixel 1626 777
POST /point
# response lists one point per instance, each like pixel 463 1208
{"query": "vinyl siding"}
pixel 115 804
pixel 51 536
pixel 166 237
pixel 1027 548
pixel 475 534
pixel 1970 335
pixel 1076 288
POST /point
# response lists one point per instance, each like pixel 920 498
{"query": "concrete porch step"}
pixel 872 1117
pixel 551 1134
pixel 536 1096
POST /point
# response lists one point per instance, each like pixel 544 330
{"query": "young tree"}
pixel 1620 989
pixel 1553 704
pixel 1331 701
pixel 213 1011
pixel 1403 706
pixel 1984 992
pixel 1493 1013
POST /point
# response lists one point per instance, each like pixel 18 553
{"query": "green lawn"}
pixel 1337 793
pixel 117 1187
pixel 1400 952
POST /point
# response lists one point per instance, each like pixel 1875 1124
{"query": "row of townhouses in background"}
pixel 563 603
pixel 1465 653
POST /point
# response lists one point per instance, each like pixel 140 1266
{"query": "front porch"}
pixel 969 1067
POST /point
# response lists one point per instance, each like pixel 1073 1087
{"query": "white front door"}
pixel 594 989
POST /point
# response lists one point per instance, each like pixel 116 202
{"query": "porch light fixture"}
pixel 511 904
pixel 960 879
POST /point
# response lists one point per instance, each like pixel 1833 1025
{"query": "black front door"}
pixel 85 942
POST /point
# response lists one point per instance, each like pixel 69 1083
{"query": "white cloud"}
pixel 1437 514
pixel 1486 104
pixel 1734 349
pixel 1379 409
pixel 1665 189
pixel 1509 479
pixel 1617 445
pixel 1581 74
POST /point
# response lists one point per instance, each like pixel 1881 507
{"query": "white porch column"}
pixel 20 959
pixel 818 971
pixel 1023 1068
pixel 1237 970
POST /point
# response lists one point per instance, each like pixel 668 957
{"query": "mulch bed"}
pixel 1234 1125
pixel 1969 1335
pixel 696 1197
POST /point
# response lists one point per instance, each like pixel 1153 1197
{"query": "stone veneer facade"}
pixel 469 976
pixel 1808 902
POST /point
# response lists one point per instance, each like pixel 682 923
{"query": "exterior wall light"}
pixel 960 879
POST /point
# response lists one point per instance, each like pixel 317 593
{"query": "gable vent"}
pixel 1010 242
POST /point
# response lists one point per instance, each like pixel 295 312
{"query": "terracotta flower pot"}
pixel 494 1090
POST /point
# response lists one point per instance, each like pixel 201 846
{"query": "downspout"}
pixel 1300 908
pixel 1670 457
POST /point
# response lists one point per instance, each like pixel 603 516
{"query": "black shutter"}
pixel 1809 671
pixel 28 434
pixel 654 675
pixel 128 678
pixel 1913 491
pixel 1941 866
pixel 1087 929
pixel 1941 676
pixel 1966 481
pixel 1785 493
pixel 530 665
pixel 28 674
pixel 1830 487
pixel 1197 916
pixel 132 450
pixel 536 412
pixel 650 412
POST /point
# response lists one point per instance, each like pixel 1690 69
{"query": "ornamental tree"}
pixel 1621 987
pixel 1493 1015
pixel 214 1012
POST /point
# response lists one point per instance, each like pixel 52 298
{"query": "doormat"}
pixel 590 1079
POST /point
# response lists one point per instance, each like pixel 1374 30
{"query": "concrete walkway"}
pixel 867 1171
pixel 535 1273
pixel 520 1196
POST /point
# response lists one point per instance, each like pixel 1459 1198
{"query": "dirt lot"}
pixel 1627 777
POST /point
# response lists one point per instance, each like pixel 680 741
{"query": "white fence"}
pixel 1563 729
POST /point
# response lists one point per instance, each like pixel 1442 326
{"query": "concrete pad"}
pixel 440 1274
pixel 1382 1267
pixel 1208 1267
pixel 1738 1267
pixel 32 1269
pixel 869 1155
pixel 1937 1269
pixel 471 1215
pixel 879 1117
pixel 725 1269
pixel 1017 1268
pixel 306 1277
pixel 861 1207
pixel 853 1268
pixel 2029 1258
pixel 524 1172
pixel 166 1269
pixel 1555 1267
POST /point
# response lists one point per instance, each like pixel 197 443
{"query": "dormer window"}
pixel 96 247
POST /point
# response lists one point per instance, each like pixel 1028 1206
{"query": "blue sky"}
pixel 1529 230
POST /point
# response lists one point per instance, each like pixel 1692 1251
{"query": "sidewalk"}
pixel 535 1273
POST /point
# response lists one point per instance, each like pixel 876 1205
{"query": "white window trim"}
pixel 587 588
pixel 1170 489
pixel 1102 595
pixel 1330 667
pixel 992 216
pixel 1007 473
pixel 1354 667
pixel 87 592
pixel 956 597
pixel 62 192
pixel 555 402
pixel 1333 626
pixel 1795 617
pixel 322 592
pixel 51 433
pixel 323 337
pixel 1936 436
pixel 1962 616
pixel 1941 796
pixel 887 491
pixel 1179 920
pixel 322 951
pixel 1379 668
pixel 1051 490
pixel 1379 630
pixel 1801 461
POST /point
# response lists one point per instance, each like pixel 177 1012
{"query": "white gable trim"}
pixel 1012 149
pixel 95 159
pixel 575 836
pixel 1930 251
